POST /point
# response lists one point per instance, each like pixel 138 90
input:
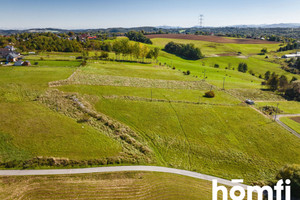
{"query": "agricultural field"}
pixel 181 125
pixel 154 114
pixel 118 185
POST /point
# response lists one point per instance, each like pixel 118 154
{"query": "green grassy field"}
pixel 37 131
pixel 210 139
pixel 211 48
pixel 119 185
pixel 288 107
pixel 217 136
pixel 30 129
pixel 156 93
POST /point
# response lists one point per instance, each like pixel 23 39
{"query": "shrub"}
pixel 209 94
pixel 216 66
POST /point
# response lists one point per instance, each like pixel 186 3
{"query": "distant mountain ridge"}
pixel 145 28
pixel 280 25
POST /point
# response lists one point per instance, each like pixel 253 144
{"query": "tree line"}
pixel 187 51
pixel 289 89
pixel 290 46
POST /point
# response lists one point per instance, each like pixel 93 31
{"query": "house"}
pixel 92 38
pixel 10 48
pixel 26 63
pixel 4 52
pixel 18 63
pixel 12 57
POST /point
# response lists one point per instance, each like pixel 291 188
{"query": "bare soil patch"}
pixel 296 119
pixel 207 38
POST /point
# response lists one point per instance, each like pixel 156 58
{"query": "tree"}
pixel 273 82
pixel 291 172
pixel 267 75
pixel 283 82
pixel 293 92
pixel 264 51
pixel 243 67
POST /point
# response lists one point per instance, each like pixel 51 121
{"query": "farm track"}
pixel 118 169
pixel 207 38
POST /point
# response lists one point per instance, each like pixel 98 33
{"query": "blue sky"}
pixel 132 13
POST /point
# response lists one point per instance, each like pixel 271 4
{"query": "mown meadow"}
pixel 158 110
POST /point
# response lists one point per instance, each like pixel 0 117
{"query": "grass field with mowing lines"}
pixel 30 129
pixel 118 185
pixel 155 93
pixel 150 71
pixel 38 131
pixel 229 142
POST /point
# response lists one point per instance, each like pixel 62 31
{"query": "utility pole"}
pixel 276 112
pixel 224 83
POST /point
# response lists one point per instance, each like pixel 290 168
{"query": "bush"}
pixel 209 94
pixel 217 66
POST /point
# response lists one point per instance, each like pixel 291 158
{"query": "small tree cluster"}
pixel 243 67
pixel 138 37
pixel 188 51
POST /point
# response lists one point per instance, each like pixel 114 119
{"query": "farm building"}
pixel 26 63
pixel 294 55
pixel 18 63
pixel 12 57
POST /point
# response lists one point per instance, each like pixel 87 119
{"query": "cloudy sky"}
pixel 132 13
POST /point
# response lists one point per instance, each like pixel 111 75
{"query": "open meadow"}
pixel 128 112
